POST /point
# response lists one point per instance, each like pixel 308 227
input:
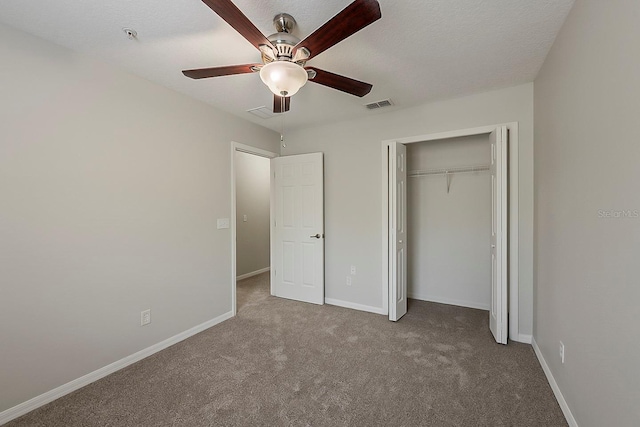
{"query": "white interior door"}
pixel 297 228
pixel 397 231
pixel 499 298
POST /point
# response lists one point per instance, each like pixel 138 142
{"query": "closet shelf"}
pixel 464 169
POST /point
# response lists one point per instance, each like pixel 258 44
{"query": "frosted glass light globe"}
pixel 284 78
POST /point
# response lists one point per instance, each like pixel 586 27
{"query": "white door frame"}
pixel 236 146
pixel 513 211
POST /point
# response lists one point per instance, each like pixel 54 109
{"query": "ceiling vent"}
pixel 379 104
pixel 262 112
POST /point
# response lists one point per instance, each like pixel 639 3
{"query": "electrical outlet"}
pixel 348 280
pixel 244 218
pixel 561 352
pixel 145 317
pixel 353 270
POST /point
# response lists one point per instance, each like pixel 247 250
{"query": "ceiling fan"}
pixel 284 56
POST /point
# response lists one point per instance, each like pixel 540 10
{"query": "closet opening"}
pixel 450 223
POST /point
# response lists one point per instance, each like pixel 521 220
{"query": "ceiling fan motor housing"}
pixel 284 42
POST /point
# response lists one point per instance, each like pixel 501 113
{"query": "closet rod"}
pixel 447 171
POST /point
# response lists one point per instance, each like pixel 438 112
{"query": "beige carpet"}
pixel 286 363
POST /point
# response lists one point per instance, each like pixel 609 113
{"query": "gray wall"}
pixel 110 187
pixel 353 184
pixel 449 233
pixel 252 199
pixel 587 167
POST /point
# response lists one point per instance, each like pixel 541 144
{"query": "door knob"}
pixel 316 236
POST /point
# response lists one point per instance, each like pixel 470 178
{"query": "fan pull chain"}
pixel 282 104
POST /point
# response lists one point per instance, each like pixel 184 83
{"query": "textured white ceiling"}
pixel 420 51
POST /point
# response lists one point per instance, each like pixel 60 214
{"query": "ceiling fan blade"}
pixel 281 104
pixel 349 21
pixel 342 83
pixel 234 17
pixel 203 73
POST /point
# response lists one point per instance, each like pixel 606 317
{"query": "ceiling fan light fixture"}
pixel 283 78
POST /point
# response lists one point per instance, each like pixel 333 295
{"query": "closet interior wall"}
pixel 449 222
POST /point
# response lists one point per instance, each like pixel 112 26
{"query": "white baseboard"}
pixel 253 273
pixel 43 399
pixel 448 301
pixel 554 386
pixel 354 306
pixel 524 338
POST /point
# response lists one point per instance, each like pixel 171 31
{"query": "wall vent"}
pixel 379 104
pixel 262 112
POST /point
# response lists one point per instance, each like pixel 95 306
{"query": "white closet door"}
pixel 397 231
pixel 498 314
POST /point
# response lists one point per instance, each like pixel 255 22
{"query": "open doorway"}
pixel 503 242
pixel 294 189
pixel 250 222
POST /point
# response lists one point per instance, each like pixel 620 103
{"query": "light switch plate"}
pixel 223 223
